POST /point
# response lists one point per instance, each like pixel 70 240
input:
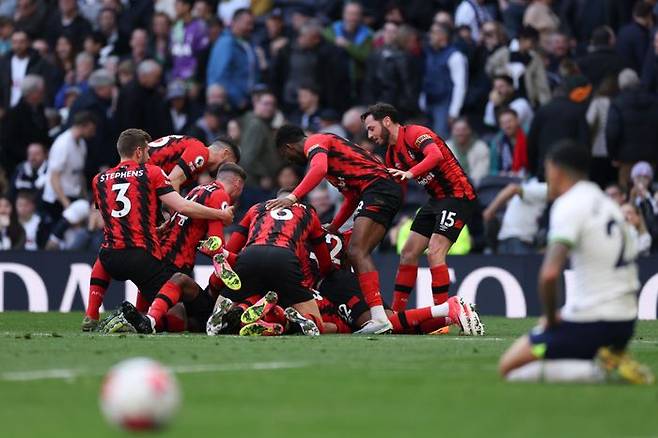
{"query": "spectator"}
pixel 6 30
pixel 509 148
pixel 35 228
pixel 115 43
pixel 288 176
pixel 65 182
pixel 471 152
pixel 352 123
pixel 601 170
pixel 189 37
pixel 64 59
pixel 633 38
pixel 275 37
pixel 540 16
pixel 520 225
pixel 159 41
pixel 31 17
pixel 125 72
pixel 631 128
pixel 581 18
pixel 178 108
pixel 21 61
pixel 650 68
pixel 638 227
pixel 474 14
pixel 141 103
pixel 25 123
pixel 354 38
pixel 93 44
pixel 503 95
pixel 12 235
pixel 562 117
pixel 329 123
pixel 30 175
pixel 84 66
pixel 139 46
pixel 233 63
pixel 524 66
pixel 67 21
pixel 97 99
pixel 216 95
pixel 615 192
pixel 558 50
pixel 320 199
pixel 209 126
pixel 445 77
pixel 309 59
pixel 389 74
pixel 602 61
pixel 308 114
pixel 259 156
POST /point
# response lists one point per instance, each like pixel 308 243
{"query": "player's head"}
pixel 223 150
pixel 378 120
pixel 567 162
pixel 232 178
pixel 133 145
pixel 290 143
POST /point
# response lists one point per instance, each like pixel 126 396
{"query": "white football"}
pixel 139 394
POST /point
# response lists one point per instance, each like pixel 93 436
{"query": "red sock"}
pixel 276 315
pixel 168 296
pixel 173 323
pixel 407 321
pixel 98 284
pixel 369 282
pixel 316 320
pixel 432 325
pixel 142 304
pixel 440 283
pixel 216 284
pixel 405 281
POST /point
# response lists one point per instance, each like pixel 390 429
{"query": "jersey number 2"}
pixel 122 198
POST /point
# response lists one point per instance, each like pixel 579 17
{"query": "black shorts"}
pixel 380 201
pixel 264 268
pixel 443 216
pixel 135 264
pixel 580 340
pixel 341 287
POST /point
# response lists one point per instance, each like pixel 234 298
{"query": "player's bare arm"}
pixel 554 261
pixel 191 209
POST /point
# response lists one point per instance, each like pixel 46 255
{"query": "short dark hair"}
pixel 505 78
pixel 506 110
pixel 240 12
pixel 602 36
pixel 130 140
pixel 232 168
pixel 189 3
pixel 83 118
pixel 529 32
pixel 288 134
pixel 228 142
pixel 380 110
pixel 30 195
pixel 642 9
pixel 570 155
pixel 309 86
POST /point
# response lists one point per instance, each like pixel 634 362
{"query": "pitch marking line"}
pixel 72 373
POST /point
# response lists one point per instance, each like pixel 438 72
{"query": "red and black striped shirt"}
pixel 182 234
pixel 187 152
pixel 446 180
pixel 127 197
pixel 350 167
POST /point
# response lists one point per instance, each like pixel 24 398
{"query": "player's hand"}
pixel 285 202
pixel 401 174
pixel 228 214
pixel 329 229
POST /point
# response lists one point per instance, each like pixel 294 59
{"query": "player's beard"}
pixel 386 136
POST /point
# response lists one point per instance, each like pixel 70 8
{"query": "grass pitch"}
pixel 347 386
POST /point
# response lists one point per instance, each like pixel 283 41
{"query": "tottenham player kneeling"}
pixel 587 340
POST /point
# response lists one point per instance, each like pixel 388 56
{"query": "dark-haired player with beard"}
pixel 368 189
pixel 415 152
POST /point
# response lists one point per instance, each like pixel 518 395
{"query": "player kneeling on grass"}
pixel 587 340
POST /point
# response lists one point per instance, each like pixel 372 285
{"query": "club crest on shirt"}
pixel 198 161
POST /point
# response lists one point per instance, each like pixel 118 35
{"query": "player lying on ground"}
pixel 599 316
pixel 127 196
pixel 183 159
pixel 369 190
pixel 271 244
pixel 415 152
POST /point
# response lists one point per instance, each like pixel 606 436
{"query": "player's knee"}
pixel 181 280
pixel 409 256
pixel 355 254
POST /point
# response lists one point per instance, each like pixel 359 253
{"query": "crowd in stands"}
pixel 500 80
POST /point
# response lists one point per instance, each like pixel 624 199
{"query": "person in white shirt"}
pixel 35 227
pixel 65 180
pixel 520 225
pixel 471 152
pixel 598 318
pixel 503 95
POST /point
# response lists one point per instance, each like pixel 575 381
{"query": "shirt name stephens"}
pixel 127 174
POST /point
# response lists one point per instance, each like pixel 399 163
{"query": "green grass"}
pixel 347 386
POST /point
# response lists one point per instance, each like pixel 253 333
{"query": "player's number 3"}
pixel 122 188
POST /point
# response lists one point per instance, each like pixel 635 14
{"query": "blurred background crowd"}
pixel 499 80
